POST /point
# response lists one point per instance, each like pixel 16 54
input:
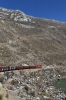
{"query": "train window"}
pixel 4 68
pixel 12 68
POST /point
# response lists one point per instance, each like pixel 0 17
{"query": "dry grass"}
pixel 43 44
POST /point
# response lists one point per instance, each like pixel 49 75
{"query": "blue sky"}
pixel 50 9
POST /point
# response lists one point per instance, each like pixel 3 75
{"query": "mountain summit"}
pixel 30 40
pixel 14 15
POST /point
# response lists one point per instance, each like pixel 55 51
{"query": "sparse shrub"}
pixel 26 88
pixel 32 93
pixel 14 82
pixel 7 96
pixel 10 88
pixel 1 97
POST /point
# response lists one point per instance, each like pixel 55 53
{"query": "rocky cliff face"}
pixel 25 39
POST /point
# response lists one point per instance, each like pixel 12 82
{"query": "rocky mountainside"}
pixel 28 40
pixel 25 39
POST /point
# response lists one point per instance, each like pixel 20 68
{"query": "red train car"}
pixel 0 68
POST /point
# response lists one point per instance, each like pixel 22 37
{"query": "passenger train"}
pixel 10 68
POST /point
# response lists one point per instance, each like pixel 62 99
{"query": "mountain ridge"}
pixel 18 11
